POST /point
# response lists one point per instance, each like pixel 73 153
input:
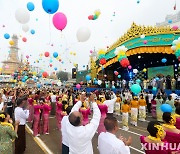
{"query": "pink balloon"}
pixel 145 41
pixel 91 51
pixel 27 56
pixel 78 86
pixel 59 21
pixel 129 66
pixel 175 27
pixel 7 66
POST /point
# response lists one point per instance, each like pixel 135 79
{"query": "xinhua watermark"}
pixel 160 146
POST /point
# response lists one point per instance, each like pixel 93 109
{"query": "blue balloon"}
pixel 170 21
pixel 84 66
pixel 113 87
pixel 88 77
pixel 135 88
pixel 95 82
pixel 50 60
pixel 25 77
pixel 23 80
pixel 138 81
pixel 39 85
pixel 50 6
pixel 102 67
pixel 166 108
pixel 30 6
pixel 55 54
pixel 119 76
pixel 164 60
pixel 6 36
pixel 154 88
pixel 32 31
pixel 157 79
pixel 55 68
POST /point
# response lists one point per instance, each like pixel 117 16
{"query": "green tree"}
pixel 63 76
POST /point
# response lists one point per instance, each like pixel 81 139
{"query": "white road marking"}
pixel 131 132
pixel 40 142
pixel 137 150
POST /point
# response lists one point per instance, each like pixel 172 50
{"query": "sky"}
pixel 115 19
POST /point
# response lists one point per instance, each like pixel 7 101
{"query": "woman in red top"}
pixel 58 113
pixel 46 111
pixel 31 108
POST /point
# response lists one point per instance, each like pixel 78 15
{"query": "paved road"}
pixel 53 140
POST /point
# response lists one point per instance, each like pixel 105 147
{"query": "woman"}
pixel 154 144
pixel 170 101
pixel 2 105
pixel 153 105
pixel 134 110
pixel 142 108
pixel 7 134
pixel 118 105
pixel 46 110
pixel 58 113
pixel 31 108
pixel 169 123
pixel 125 109
pixel 159 102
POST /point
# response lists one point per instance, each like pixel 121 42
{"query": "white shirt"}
pixel 110 104
pixel 21 115
pixel 150 96
pixel 80 137
pixel 64 130
pixel 53 98
pixel 1 106
pixel 174 96
pixel 108 143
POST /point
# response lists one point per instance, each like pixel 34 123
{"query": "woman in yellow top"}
pixel 125 109
pixel 142 108
pixel 117 106
pixel 134 110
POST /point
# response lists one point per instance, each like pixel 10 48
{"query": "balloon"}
pixel 145 41
pixel 90 17
pixel 97 12
pixel 50 65
pixel 175 42
pixel 142 36
pixel 139 57
pixel 116 73
pixel 129 67
pixel 154 89
pixel 164 60
pixel 59 21
pixel 166 108
pixel 23 80
pixel 38 85
pixel 173 48
pixel 175 27
pixel 91 51
pixel 83 34
pixel 81 82
pixel 45 74
pixel 144 70
pixel 26 77
pixel 30 6
pixel 119 76
pixel 11 42
pixel 27 57
pixel 124 62
pixel 157 79
pixel 59 83
pixel 25 28
pixel 88 77
pixel 32 31
pixel 135 71
pixel 7 67
pixel 78 86
pixel 22 15
pixel 46 54
pixel 95 17
pixel 135 88
pixel 55 68
pixel 24 39
pixel 50 6
pixel 113 87
pixel 170 21
pixel 6 36
pixel 99 82
pixel 102 61
pixel 138 81
pixel 55 54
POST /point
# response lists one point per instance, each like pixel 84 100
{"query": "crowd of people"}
pixel 73 109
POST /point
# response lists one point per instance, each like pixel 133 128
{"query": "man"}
pixel 110 103
pixel 174 95
pixel 21 114
pixel 80 136
pixel 108 143
pixel 65 142
pixel 53 103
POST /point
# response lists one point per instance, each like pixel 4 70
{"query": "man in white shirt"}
pixel 65 142
pixel 174 95
pixel 53 103
pixel 79 136
pixel 21 114
pixel 108 143
pixel 110 103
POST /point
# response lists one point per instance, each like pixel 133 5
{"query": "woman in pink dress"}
pixel 103 108
pixel 59 106
pixel 85 112
pixel 31 108
pixel 46 111
pixel 36 121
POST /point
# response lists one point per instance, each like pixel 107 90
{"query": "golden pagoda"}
pixel 12 63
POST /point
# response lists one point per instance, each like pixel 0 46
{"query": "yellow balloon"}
pixel 178 46
pixel 70 53
pixel 144 70
pixel 74 54
pixel 97 12
pixel 15 80
pixel 0 69
pixel 11 42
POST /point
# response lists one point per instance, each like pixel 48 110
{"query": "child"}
pixel 134 110
pixel 142 108
pixel 125 109
pixel 46 110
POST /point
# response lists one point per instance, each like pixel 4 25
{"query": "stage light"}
pixel 179 64
pixel 176 70
pixel 175 65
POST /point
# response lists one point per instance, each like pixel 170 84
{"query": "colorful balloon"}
pixel 11 42
pixel 88 77
pixel 59 21
pixel 55 54
pixel 25 28
pixel 78 86
pixel 32 31
pixel 46 54
pixel 6 36
pixel 166 108
pixel 45 74
pixel 22 15
pixel 24 39
pixel 164 60
pixel 30 6
pixel 50 6
pixel 83 34
pixel 135 88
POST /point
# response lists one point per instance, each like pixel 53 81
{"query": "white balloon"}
pixel 142 36
pixel 173 47
pixel 25 28
pixel 175 41
pixel 22 15
pixel 59 84
pixel 179 39
pixel 135 71
pixel 83 34
pixel 99 82
pixel 139 57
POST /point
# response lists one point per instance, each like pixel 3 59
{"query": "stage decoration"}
pixel 95 16
pixel 176 47
pixel 121 55
pixel 101 56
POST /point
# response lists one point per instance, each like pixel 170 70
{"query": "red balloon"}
pixel 27 56
pixel 124 62
pixel 102 61
pixel 81 82
pixel 50 65
pixel 116 73
pixel 90 17
pixel 24 39
pixel 45 74
pixel 46 54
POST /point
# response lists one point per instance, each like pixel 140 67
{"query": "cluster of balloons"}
pixel 101 56
pixel 95 16
pixel 121 55
pixel 176 47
